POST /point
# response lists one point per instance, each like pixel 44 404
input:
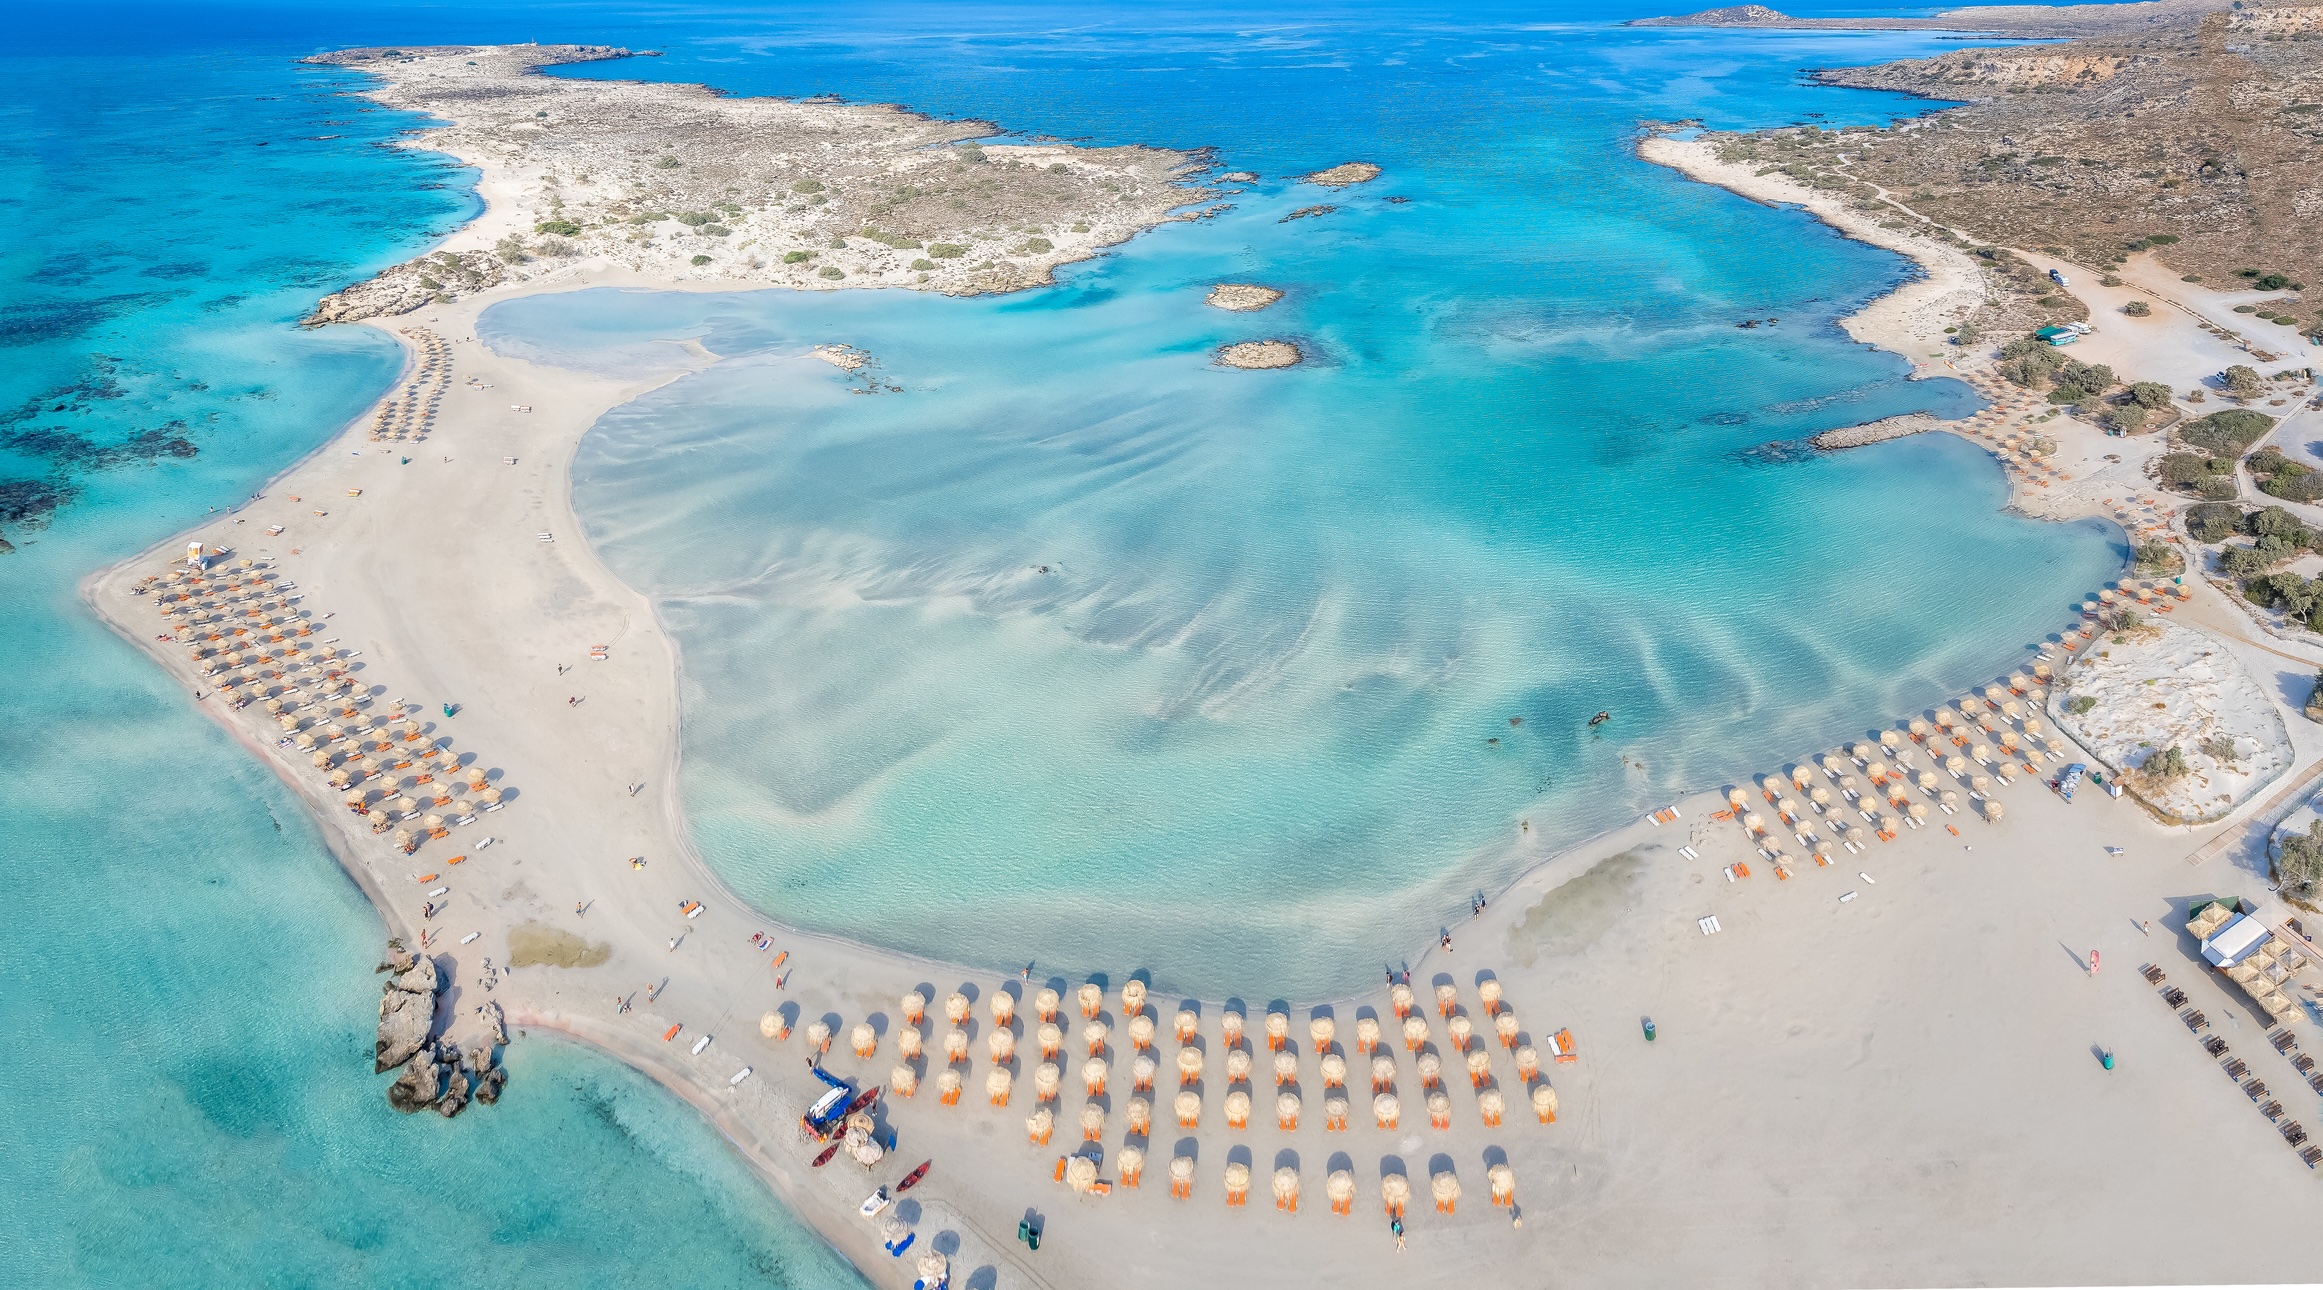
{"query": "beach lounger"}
pixel 1848 897
pixel 2174 997
pixel 2154 974
pixel 2236 1068
pixel 2195 1021
pixel 2214 1046
pixel 1708 924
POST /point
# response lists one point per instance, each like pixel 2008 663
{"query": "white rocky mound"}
pixel 2159 687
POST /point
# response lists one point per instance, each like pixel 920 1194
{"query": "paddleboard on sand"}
pixel 700 1044
pixel 739 1076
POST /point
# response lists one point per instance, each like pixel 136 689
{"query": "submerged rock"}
pixel 1241 297
pixel 1259 355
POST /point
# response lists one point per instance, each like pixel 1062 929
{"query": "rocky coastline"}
pixel 436 1071
pixel 1880 431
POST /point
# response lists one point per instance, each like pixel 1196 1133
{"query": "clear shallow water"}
pixel 1079 649
pixel 186 1096
pixel 185 1083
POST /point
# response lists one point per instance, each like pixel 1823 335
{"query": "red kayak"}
pixel 912 1179
pixel 825 1158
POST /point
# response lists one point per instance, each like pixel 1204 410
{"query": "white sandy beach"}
pixel 1902 1088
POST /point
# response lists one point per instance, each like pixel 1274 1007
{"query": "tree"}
pixel 2300 868
pixel 2242 382
pixel 2228 433
pixel 2128 418
pixel 2213 521
pixel 2153 396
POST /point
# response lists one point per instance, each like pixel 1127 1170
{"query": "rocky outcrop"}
pixel 485 1078
pixel 440 277
pixel 1241 297
pixel 1259 355
pixel 407 1008
pixel 1738 15
pixel 1343 175
pixel 421 1083
pixel 1880 431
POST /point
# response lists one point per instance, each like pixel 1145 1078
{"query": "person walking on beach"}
pixel 1447 940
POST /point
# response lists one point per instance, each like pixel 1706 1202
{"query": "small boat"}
pixel 455 860
pixel 423 877
pixel 700 1044
pixel 740 1076
pixel 441 891
pixel 672 1032
pixel 825 1158
pixel 912 1179
pixel 469 937
pixel 874 1203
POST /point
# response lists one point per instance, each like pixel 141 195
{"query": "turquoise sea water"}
pixel 1291 609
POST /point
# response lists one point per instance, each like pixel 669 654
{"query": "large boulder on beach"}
pixel 405 1022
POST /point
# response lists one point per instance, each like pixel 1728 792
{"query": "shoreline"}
pixel 400 608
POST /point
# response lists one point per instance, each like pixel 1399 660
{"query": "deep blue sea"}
pixel 1530 477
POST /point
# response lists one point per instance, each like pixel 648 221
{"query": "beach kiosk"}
pixel 2249 953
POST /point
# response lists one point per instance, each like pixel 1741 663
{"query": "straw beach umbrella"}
pixel 1092 998
pixel 1321 1032
pixel 1092 1123
pixel 1993 812
pixel 1431 1069
pixel 1237 1107
pixel 1230 1026
pixel 1286 1189
pixel 1489 992
pixel 1278 1030
pixel 1140 1115
pixel 1382 1072
pixel 1181 1177
pixel 1141 1032
pixel 1001 1044
pixel 1131 1163
pixel 956 1008
pixel 1339 1188
pixel 1286 1111
pixel 1491 1105
pixel 1415 1032
pixel 1045 1003
pixel 1385 1108
pixel 1133 997
pixel 1395 1191
pixel 1093 1075
pixel 1366 1034
pixel 1334 1068
pixel 997 1083
pixel 1286 1068
pixel 1399 996
pixel 863 1039
pixel 1046 1080
pixel 1188 1105
pixel 903 1081
pixel 1335 1109
pixel 1528 1062
pixel 1039 1125
pixel 1502 1180
pixel 933 1268
pixel 770 1025
pixel 1081 1172
pixel 1461 1030
pixel 1095 1033
pixel 1189 1065
pixel 1141 1071
pixel 948 1083
pixel 1003 1007
pixel 1051 1039
pixel 1187 1022
pixel 915 1007
pixel 907 1043
pixel 1479 1067
pixel 955 1046
pixel 1445 1189
pixel 1237 1179
pixel 1447 998
pixel 1545 1103
pixel 819 1037
pixel 1439 1109
pixel 1237 1065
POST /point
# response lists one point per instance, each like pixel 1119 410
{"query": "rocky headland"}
pixel 436 1072
pixel 582 176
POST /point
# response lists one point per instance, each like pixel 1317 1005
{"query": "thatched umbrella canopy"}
pixel 1141 1031
pixel 1955 763
pixel 819 1036
pixel 1862 752
pixel 1918 727
pixel 1039 1125
pixel 1399 996
pixel 1545 1103
pixel 1045 1004
pixel 1095 1034
pixel 1230 1026
pixel 1001 1044
pixel 1821 797
pixel 2033 727
pixel 1993 811
pixel 907 1042
pixel 1286 1110
pixel 1092 996
pixel 405 805
pixel 1237 1106
pixel 903 1081
pixel 1489 991
pixel 1736 797
pixel 1979 783
pixel 1081 1171
pixel 1237 1177
pixel 1286 1067
pixel 1396 1191
pixel 955 1045
pixel 1502 1181
pixel 863 1039
pixel 1918 811
pixel 1092 1124
pixel 1003 1007
pixel 1800 775
pixel 1847 785
pixel 1141 1071
pixel 1339 1187
pixel 1382 1071
pixel 1505 1026
pixel 1479 1066
pixel 1181 1176
pixel 1385 1108
pixel 948 1083
pixel 433 821
pixel 1278 1029
pixel 1189 1065
pixel 1491 1105
pixel 1093 1073
pixel 1133 997
pixel 1926 779
pixel 1366 1034
pixel 1185 1024
pixel 1528 1062
pixel 1447 998
pixel 956 1008
pixel 404 839
pixel 1334 1069
pixel 1321 1032
pixel 1755 822
pixel 1188 1105
pixel 997 1083
pixel 1051 1038
pixel 2006 771
pixel 770 1025
pixel 1046 1079
pixel 463 807
pixel 1140 1115
pixel 490 795
pixel 1430 1067
pixel 933 1268
pixel 1439 1109
pixel 1461 1030
pixel 1286 1188
pixel 1949 798
pixel 1981 751
pixel 1415 1032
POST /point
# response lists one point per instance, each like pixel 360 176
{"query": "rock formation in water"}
pixel 436 1072
pixel 407 1008
pixel 1259 355
pixel 1343 175
pixel 1241 297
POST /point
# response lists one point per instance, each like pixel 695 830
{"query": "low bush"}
pixel 561 227
pixel 2188 469
pixel 699 260
pixel 2227 434
pixel 2213 521
pixel 807 186
pixel 797 257
pixel 946 251
pixel 2138 309
pixel 831 271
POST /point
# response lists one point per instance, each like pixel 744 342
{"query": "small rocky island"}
pixel 1346 174
pixel 435 1072
pixel 1259 355
pixel 1241 297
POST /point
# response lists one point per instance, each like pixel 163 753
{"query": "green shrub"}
pixel 2218 488
pixel 667 163
pixel 699 260
pixel 2128 418
pixel 797 257
pixel 2229 433
pixel 2186 469
pixel 830 271
pixel 2169 763
pixel 2138 309
pixel 694 219
pixel 561 227
pixel 2242 382
pixel 2156 557
pixel 807 186
pixel 2212 521
pixel 2300 868
pixel 971 154
pixel 2153 396
pixel 923 265
pixel 2279 476
pixel 946 251
pixel 1036 245
pixel 2080 704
